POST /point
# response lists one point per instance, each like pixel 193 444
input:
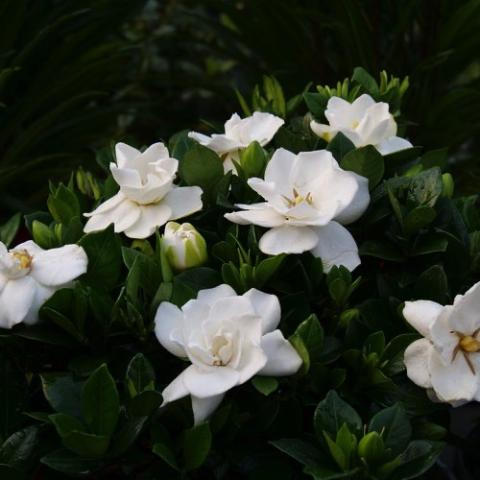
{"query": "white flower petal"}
pixel 252 362
pixel 228 308
pixel 417 360
pixel 59 266
pixel 183 201
pixel 108 205
pixel 392 145
pixel 175 390
pixel 151 217
pixel 211 295
pixel 279 168
pixel 358 205
pixel 42 294
pixel 267 307
pixel 219 143
pixel 466 310
pixel 442 332
pixel 265 217
pixel 16 300
pixel 30 246
pixel 260 127
pixel 452 381
pixel 126 177
pixel 336 246
pixel 204 384
pixel 168 321
pixel 288 239
pixel 323 131
pixel 158 151
pixel 204 407
pixel 282 358
pixel 421 314
pixel 126 214
pixel 125 155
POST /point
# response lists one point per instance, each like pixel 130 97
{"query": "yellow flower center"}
pixel 297 199
pixel 467 344
pixel 24 258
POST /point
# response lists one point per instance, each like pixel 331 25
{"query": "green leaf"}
pixel 8 231
pixel 144 404
pixel 18 449
pixel 62 393
pixel 187 284
pixel 265 385
pixel 361 76
pixel 426 187
pixel 336 452
pixel 420 217
pixel 380 249
pixel 432 284
pixel 340 146
pixel 65 424
pixel 312 335
pixel 165 453
pixel 100 402
pixel 367 162
pixel 127 435
pixel 104 258
pixel 332 412
pixel 419 456
pixel 43 236
pixel 393 424
pixel 392 357
pixel 371 448
pixel 305 453
pixel 201 166
pixel 69 463
pixel 196 446
pixel 140 375
pixel 347 441
pixel 253 160
pixel 86 444
pixel 63 204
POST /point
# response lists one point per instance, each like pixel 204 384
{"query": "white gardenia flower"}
pixel 363 122
pixel 447 360
pixel 147 198
pixel 308 199
pixel 184 246
pixel 30 275
pixel 228 339
pixel 239 134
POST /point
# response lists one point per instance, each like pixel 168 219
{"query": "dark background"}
pixel 76 76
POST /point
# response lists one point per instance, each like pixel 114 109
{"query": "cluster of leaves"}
pixel 81 390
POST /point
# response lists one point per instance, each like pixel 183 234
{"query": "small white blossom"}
pixel 228 339
pixel 148 197
pixel 308 198
pixel 447 360
pixel 30 275
pixel 363 122
pixel 239 134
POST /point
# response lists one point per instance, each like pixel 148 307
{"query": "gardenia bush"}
pixel 292 295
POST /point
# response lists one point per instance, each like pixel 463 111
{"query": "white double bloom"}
pixel 148 197
pixel 239 134
pixel 447 360
pixel 308 199
pixel 363 122
pixel 228 339
pixel 30 275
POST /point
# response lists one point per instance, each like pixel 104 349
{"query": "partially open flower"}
pixel 148 197
pixel 228 339
pixel 30 275
pixel 447 360
pixel 307 199
pixel 239 134
pixel 363 122
pixel 184 246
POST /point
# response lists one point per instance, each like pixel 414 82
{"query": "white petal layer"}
pixel 392 145
pixel 59 266
pixel 169 321
pixel 183 201
pixel 421 314
pixel 15 301
pixel 151 217
pixel 282 358
pixel 336 246
pixel 358 205
pixel 204 407
pixel 417 360
pixel 267 307
pixel 265 217
pixel 205 384
pixel 288 239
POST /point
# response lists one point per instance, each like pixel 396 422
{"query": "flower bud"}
pixel 184 247
pixel 448 185
pixel 371 448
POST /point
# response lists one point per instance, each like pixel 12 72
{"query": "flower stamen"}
pixel 23 257
pixel 297 199
pixel 467 344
